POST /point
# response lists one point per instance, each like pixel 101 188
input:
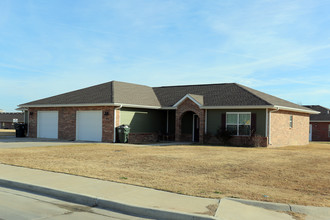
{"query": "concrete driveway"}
pixel 13 142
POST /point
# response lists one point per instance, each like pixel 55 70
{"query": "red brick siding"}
pixel 185 106
pixel 67 121
pixel 283 135
pixel 7 125
pixel 320 131
pixel 138 138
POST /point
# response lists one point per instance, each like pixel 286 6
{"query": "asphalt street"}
pixel 19 205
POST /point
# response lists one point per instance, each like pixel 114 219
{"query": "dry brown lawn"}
pixel 295 175
pixel 7 132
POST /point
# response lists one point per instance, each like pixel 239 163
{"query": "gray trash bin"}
pixel 123 133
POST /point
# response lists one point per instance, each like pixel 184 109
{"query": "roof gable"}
pixel 197 99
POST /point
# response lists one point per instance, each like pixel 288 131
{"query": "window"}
pixel 329 131
pixel 291 121
pixel 238 123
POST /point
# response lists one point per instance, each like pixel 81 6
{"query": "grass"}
pixel 295 175
pixel 7 132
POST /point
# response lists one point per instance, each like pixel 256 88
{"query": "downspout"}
pixel 167 122
pixel 205 124
pixel 114 122
pixel 270 119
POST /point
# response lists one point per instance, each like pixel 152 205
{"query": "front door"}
pixel 195 128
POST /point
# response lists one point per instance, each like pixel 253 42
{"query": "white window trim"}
pixel 237 124
pixel 291 121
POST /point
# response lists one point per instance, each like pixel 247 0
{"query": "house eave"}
pixel 296 109
pixel 327 121
pixel 239 107
pixel 88 104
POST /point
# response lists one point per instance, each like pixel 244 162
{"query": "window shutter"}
pixel 253 123
pixel 223 121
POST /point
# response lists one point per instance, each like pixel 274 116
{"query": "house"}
pixel 319 124
pixel 8 119
pixel 180 113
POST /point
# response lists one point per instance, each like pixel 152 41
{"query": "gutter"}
pixel 114 122
pixel 269 123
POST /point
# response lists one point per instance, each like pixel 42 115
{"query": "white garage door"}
pixel 47 124
pixel 89 126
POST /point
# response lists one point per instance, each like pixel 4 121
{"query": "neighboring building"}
pixel 7 119
pixel 319 124
pixel 180 113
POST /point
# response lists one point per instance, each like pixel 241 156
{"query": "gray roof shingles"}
pixel 226 94
pixel 9 116
pixel 324 113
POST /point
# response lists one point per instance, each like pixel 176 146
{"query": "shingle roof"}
pixel 92 95
pixel 227 94
pixel 324 113
pixel 134 94
pixel 209 95
pixel 9 116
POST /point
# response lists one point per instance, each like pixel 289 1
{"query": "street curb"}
pixel 103 203
pixel 265 205
pixel 316 212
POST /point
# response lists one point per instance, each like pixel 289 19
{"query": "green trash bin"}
pixel 123 132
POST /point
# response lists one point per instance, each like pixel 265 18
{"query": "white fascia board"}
pixel 168 108
pixel 66 105
pixel 137 106
pixel 185 97
pixel 238 107
pixel 91 104
pixel 297 109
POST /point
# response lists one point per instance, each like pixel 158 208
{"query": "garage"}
pixel 47 124
pixel 89 126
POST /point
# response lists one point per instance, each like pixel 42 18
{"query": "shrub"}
pixel 223 136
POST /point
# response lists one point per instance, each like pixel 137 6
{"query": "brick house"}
pixel 7 119
pixel 319 124
pixel 181 113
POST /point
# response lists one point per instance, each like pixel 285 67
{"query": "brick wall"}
pixel 67 121
pixel 7 125
pixel 283 135
pixel 138 138
pixel 185 106
pixel 320 131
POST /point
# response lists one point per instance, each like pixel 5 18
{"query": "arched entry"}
pixel 190 127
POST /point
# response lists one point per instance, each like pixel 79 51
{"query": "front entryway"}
pixel 195 128
pixel 89 126
pixel 190 126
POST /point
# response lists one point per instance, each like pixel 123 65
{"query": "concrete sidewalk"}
pixel 140 201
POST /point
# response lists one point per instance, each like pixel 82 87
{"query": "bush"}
pixel 256 140
pixel 223 136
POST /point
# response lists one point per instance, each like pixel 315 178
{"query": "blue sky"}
pixel 51 47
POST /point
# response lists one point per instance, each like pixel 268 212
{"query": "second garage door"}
pixel 47 124
pixel 89 126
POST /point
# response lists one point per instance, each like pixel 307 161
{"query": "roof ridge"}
pixel 242 87
pixel 212 84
